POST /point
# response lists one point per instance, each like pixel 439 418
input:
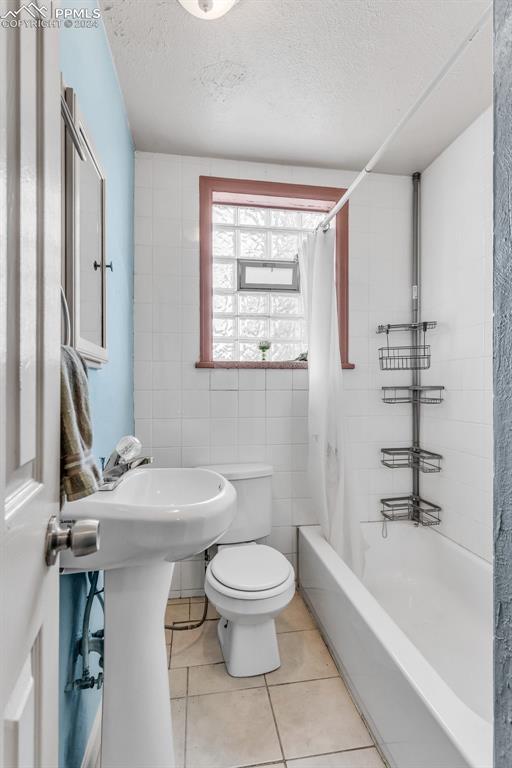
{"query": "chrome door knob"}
pixel 85 537
pixel 81 537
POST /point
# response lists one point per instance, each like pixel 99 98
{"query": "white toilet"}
pixel 249 583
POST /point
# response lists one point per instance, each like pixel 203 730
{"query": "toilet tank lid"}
pixel 241 471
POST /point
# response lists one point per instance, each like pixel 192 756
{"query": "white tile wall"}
pixel 186 416
pixel 457 292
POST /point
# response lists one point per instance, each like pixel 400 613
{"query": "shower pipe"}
pixel 416 318
pixel 370 165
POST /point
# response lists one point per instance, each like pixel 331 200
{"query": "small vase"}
pixel 264 346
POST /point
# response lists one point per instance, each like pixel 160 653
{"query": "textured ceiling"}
pixel 309 82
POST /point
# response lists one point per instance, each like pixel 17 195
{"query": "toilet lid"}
pixel 252 568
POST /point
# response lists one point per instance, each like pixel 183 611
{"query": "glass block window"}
pixel 245 320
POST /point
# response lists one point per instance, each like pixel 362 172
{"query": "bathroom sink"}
pixel 151 519
pixel 154 514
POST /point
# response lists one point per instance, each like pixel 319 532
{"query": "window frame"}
pixel 293 287
pixel 296 197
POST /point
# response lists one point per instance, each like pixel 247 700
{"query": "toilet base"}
pixel 249 649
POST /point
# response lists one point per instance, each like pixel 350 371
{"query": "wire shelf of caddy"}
pixel 426 395
pixel 405 358
pixel 411 458
pixel 411 507
pixel 424 326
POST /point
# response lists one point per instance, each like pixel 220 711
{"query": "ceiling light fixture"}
pixel 208 9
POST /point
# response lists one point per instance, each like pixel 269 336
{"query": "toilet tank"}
pixel 253 485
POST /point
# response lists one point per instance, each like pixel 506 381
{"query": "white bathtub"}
pixel 414 641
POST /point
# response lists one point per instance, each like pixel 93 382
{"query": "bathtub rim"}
pixel 470 733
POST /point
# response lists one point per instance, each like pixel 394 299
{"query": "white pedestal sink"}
pixel 153 518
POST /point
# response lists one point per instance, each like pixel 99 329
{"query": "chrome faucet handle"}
pixel 127 449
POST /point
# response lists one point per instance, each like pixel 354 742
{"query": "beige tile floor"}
pixel 299 716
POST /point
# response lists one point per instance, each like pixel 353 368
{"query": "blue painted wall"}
pixel 87 66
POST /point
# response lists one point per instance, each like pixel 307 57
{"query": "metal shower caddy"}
pixel 406 358
pixel 417 357
pixel 413 357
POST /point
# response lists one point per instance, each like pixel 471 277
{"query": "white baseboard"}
pixel 91 758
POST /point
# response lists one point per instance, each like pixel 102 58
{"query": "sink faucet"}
pixel 124 457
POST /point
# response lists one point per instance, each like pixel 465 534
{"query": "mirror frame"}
pixel 95 355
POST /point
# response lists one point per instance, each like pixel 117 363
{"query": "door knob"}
pixel 81 537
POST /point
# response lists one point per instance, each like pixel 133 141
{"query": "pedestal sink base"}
pixel 136 727
pixel 152 517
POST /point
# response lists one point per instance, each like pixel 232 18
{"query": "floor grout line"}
pixel 304 757
pixel 227 690
pixel 260 765
pixel 254 687
pixel 326 754
pixel 275 720
pixel 299 682
pixel 338 751
pixel 185 735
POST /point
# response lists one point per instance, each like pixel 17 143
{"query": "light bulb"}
pixel 207 9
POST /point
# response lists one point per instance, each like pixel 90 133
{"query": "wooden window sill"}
pixel 294 364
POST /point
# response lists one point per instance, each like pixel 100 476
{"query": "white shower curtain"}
pixel 325 417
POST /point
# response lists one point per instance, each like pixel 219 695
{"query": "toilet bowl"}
pixel 249 583
pixel 253 584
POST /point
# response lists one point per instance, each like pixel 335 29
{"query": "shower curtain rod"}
pixel 370 165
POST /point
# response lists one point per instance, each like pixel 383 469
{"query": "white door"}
pixel 29 389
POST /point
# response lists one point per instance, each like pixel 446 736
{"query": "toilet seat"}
pixel 237 594
pixel 252 568
pixel 250 582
